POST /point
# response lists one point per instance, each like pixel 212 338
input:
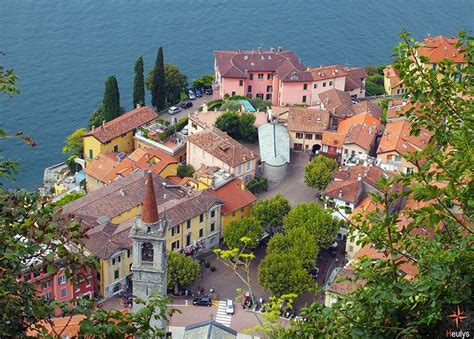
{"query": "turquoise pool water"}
pixel 247 105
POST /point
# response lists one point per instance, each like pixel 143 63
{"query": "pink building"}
pixel 275 75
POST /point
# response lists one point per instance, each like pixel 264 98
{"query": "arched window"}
pixel 147 252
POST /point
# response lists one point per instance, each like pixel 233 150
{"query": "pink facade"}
pixel 295 93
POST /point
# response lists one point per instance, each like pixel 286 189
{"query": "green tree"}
pixel 271 212
pixel 389 305
pixel 138 84
pixel 205 80
pixel 8 80
pixel 111 103
pixel 229 122
pixel 318 172
pixel 97 118
pixel 158 82
pixel 247 129
pixel 374 84
pixel 74 142
pixel 176 82
pixel 185 170
pixel 238 229
pixel 299 243
pixel 320 223
pixel 182 270
pixel 283 274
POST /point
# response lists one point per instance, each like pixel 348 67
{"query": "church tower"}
pixel 148 236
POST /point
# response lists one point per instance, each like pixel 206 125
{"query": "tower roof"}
pixel 149 210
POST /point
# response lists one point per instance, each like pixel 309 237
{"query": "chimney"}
pixel 242 186
pixel 149 209
pixel 139 105
pixel 359 177
pixel 204 106
pixel 103 124
pixel 122 192
pixel 340 194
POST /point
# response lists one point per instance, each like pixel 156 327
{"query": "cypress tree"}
pixel 138 84
pixel 111 104
pixel 158 93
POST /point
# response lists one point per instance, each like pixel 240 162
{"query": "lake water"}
pixel 64 50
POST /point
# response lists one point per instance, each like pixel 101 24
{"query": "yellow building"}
pixel 116 135
pixel 194 224
pixel 391 80
pixel 306 127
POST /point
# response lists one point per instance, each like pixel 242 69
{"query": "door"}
pixel 298 147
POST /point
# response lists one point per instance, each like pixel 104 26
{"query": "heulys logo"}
pixel 457 321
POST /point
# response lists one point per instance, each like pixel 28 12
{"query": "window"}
pixel 46 284
pixel 315 86
pixel 239 169
pixel 318 137
pixel 259 95
pixel 324 84
pixel 305 87
pixel 308 136
pixel 119 258
pixel 268 97
pixel 147 252
pixel 249 89
pixel 98 276
pixel 88 281
pixel 188 239
pixel 201 232
pixel 129 267
pixel 113 261
pixel 434 67
pixel 260 76
pixel 248 165
pixel 175 230
pixel 409 170
pixel 188 224
pixel 62 279
pixel 213 226
pixel 36 273
pixel 129 253
pixel 91 154
pixel 269 88
pixel 251 76
pixel 299 135
pixel 63 293
pixel 115 148
pixel 175 245
pixel 116 274
pixel 213 213
pixel 193 125
pixel 330 83
pixel 269 76
pixel 233 93
pixel 233 214
pixel 201 217
pixel 241 82
pixel 304 98
pixel 47 296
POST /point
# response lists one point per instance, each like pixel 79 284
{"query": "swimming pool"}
pixel 247 105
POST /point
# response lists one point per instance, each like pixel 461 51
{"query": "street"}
pixel 185 112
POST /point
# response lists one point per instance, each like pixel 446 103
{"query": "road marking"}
pixel 222 317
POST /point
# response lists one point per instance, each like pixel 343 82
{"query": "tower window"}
pixel 147 252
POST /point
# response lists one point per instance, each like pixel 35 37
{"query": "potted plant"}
pixel 213 268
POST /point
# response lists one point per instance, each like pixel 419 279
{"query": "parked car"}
pixel 174 110
pixel 186 104
pixel 185 130
pixel 202 301
pixel 208 91
pixel 314 272
pixel 191 95
pixel 229 307
pixel 198 93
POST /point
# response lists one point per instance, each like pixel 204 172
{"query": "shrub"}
pixel 238 97
pixel 258 185
pixel 68 198
pixel 213 268
pixel 185 170
pixel 214 104
pixel 181 123
pixel 71 163
pixel 260 104
pixel 231 105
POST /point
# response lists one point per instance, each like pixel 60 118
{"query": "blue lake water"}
pixel 64 50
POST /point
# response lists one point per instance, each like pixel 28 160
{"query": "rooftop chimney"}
pixel 103 123
pixel 149 209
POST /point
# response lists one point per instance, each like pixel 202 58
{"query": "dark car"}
pixel 202 301
pixel 186 104
pixel 198 93
pixel 208 91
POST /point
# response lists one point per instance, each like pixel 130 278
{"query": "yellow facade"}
pixel 236 215
pixel 118 219
pixel 92 146
pixel 119 262
pixel 170 170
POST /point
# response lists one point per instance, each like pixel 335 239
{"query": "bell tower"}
pixel 149 265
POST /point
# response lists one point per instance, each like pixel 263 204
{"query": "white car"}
pixel 185 130
pixel 229 307
pixel 174 110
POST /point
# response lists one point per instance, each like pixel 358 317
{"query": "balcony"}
pixel 161 137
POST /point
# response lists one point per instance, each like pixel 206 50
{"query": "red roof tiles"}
pixel 234 196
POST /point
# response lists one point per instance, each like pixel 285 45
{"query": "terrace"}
pixel 161 136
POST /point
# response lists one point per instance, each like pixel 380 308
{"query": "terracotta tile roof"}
pixel 343 284
pixel 391 73
pixel 439 48
pixel 396 137
pixel 327 72
pixel 348 183
pixel 354 78
pixel 333 139
pixel 222 146
pixel 123 124
pixel 307 120
pixel 238 64
pixel 361 129
pixel 338 103
pixel 120 196
pixel 108 167
pixel 368 107
pixel 149 213
pixel 234 196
